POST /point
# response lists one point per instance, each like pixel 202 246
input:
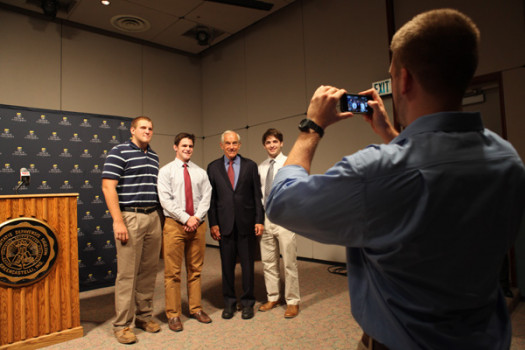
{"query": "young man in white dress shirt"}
pixel 277 240
pixel 185 194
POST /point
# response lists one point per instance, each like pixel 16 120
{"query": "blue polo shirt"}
pixel 136 172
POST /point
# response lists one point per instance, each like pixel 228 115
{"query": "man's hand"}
pixel 192 224
pixel 121 232
pixel 259 228
pixel 323 106
pixel 215 232
pixel 379 118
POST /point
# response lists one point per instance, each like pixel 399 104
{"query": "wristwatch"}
pixel 307 124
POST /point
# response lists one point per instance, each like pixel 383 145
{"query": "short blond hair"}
pixel 439 48
pixel 136 120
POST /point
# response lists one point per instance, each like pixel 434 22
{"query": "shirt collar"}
pixel 137 147
pixel 277 158
pixel 443 121
pixel 180 163
pixel 235 160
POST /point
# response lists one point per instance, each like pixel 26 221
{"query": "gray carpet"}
pixel 324 321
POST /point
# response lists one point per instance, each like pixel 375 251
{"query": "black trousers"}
pixel 233 246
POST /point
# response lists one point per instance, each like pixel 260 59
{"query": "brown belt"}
pixel 372 344
pixel 142 210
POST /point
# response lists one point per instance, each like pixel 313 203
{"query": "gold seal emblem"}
pixel 28 251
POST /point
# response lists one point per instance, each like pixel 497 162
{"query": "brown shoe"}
pixel 148 326
pixel 268 305
pixel 175 324
pixel 291 311
pixel 125 336
pixel 201 316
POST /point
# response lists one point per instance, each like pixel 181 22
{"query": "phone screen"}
pixel 355 103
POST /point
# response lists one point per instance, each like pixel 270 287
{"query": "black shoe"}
pixel 227 313
pixel 247 312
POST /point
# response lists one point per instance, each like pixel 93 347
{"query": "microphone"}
pixel 25 176
pixel 25 179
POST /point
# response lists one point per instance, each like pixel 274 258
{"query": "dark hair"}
pixel 272 132
pixel 440 48
pixel 183 135
pixel 135 121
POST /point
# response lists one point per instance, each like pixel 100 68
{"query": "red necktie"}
pixel 187 191
pixel 231 174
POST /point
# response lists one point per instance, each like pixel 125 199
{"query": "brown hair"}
pixel 440 49
pixel 183 135
pixel 272 132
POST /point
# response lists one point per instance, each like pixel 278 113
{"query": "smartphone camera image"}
pixel 355 103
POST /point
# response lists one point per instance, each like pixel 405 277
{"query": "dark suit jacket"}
pixel 242 206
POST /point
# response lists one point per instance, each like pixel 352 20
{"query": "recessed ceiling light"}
pixel 105 2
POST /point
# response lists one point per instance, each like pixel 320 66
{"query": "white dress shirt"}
pixel 263 170
pixel 172 194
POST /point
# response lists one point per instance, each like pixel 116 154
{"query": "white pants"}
pixel 276 241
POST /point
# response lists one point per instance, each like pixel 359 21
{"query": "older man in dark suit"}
pixel 236 217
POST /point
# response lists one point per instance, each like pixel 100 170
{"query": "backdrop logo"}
pixel 43 153
pixel 54 137
pixel 19 118
pixel 7 134
pixel 42 120
pixel 65 154
pixel 7 168
pixel 65 122
pixel 44 186
pixel 31 135
pixel 28 251
pixel 85 124
pixel 76 169
pixel 19 152
pixel 75 138
pixel 55 169
pixel 104 125
pixel 33 169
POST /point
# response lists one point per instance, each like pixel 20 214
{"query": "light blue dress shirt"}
pixel 426 221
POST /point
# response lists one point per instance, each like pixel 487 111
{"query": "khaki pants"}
pixel 276 241
pixel 137 262
pixel 179 245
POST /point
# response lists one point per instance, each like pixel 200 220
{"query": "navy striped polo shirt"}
pixel 136 172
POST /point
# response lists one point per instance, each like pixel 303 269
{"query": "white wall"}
pixel 46 65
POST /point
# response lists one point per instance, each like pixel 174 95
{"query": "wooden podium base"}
pixel 46 340
pixel 47 311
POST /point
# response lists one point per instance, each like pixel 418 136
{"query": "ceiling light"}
pixel 202 34
pixel 105 2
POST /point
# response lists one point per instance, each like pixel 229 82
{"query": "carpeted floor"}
pixel 324 321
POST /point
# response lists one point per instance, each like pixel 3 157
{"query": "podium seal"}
pixel 28 251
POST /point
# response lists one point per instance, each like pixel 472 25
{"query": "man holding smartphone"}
pixel 424 240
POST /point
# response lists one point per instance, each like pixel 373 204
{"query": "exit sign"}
pixel 383 87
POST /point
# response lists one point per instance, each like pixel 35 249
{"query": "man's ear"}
pixel 406 81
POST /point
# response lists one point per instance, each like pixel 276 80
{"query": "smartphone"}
pixel 355 103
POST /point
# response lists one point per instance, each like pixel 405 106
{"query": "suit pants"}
pixel 276 241
pixel 243 246
pixel 137 262
pixel 190 246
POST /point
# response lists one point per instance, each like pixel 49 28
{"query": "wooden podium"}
pixel 47 311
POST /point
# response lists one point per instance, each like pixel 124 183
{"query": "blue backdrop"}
pixel 65 153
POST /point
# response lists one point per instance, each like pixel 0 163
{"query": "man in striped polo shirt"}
pixel 129 184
